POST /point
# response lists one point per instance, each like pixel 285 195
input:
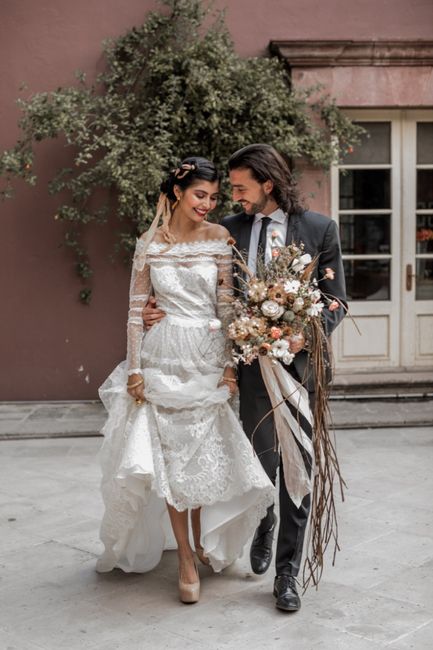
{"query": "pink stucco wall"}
pixel 373 87
pixel 52 346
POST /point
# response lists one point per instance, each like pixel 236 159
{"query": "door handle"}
pixel 409 275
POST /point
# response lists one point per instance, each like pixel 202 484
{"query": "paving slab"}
pixel 378 595
pixel 416 640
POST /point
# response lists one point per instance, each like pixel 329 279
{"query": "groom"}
pixel 262 183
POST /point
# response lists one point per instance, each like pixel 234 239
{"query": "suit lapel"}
pixel 243 245
pixel 292 229
pixel 245 234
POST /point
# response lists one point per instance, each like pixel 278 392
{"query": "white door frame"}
pixel 413 312
pixel 386 312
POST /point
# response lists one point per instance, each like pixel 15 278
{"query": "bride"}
pixel 172 443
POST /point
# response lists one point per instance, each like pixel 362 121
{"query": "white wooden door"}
pixel 416 345
pixel 382 197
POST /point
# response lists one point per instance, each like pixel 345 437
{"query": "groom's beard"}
pixel 259 206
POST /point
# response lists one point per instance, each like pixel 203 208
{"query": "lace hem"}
pixel 135 371
pixel 219 246
pixel 169 363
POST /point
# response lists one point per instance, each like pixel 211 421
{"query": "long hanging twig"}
pixel 323 527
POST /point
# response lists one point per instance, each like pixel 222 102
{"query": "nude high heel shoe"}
pixel 189 592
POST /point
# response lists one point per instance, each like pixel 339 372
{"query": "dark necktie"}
pixel 261 248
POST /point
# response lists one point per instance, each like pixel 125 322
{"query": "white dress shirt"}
pixel 277 226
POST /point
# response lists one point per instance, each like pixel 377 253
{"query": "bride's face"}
pixel 197 200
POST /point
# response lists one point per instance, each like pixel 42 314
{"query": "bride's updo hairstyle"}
pixel 189 171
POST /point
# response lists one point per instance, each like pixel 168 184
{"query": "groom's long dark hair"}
pixel 265 163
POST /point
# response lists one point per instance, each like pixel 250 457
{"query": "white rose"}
pixel 272 309
pixel 280 348
pixel 299 264
pixel 288 358
pixel 315 309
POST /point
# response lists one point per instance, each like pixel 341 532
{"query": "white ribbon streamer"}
pixel 282 387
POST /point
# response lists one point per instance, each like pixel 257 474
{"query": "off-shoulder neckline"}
pixel 196 243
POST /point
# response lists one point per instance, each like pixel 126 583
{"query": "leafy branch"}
pixel 171 88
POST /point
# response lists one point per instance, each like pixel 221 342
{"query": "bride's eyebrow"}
pixel 207 193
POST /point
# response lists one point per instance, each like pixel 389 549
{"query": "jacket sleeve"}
pixel 330 257
pixel 139 292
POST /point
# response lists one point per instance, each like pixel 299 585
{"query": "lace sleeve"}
pixel 225 293
pixel 139 293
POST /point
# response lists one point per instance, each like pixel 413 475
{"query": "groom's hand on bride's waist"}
pixel 151 313
pixel 297 343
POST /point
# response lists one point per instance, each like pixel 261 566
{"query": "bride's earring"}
pixel 175 204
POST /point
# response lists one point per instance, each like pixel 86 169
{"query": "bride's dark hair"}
pixel 190 169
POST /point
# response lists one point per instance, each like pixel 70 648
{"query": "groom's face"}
pixel 252 195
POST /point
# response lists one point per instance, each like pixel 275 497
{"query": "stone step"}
pixel 377 385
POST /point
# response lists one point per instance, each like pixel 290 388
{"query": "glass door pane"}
pixel 365 214
pixel 424 207
pixel 365 189
pixel 375 145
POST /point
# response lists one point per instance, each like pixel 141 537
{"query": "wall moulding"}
pixel 316 54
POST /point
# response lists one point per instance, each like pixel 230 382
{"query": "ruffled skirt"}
pixel 184 446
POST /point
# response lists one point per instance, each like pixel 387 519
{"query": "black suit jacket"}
pixel 319 234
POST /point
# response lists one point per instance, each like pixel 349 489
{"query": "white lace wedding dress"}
pixel 184 445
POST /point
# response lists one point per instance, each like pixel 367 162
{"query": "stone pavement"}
pixel 64 419
pixel 379 594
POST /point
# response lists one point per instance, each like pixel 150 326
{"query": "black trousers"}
pixel 254 404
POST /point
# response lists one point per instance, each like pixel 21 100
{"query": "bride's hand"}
pixel 137 392
pixel 230 380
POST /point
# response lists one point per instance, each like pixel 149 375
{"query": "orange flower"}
pixel 275 252
pixel 276 333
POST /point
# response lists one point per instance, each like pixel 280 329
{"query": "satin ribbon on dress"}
pixel 292 431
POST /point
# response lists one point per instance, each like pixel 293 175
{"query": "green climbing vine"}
pixel 171 88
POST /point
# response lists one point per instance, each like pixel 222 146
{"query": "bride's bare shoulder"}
pixel 158 237
pixel 215 231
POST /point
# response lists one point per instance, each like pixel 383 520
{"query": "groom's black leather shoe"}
pixel 261 549
pixel 286 593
